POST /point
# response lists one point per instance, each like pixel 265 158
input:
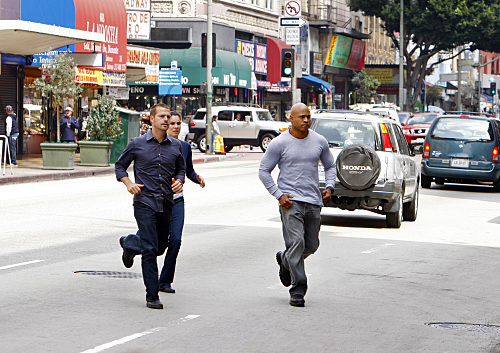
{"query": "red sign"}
pixel 357 57
pixel 108 17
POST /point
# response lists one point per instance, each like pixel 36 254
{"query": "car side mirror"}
pixel 247 118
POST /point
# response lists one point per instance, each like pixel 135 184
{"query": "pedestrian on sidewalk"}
pixel 68 124
pixel 159 173
pixel 177 219
pixel 12 133
pixel 297 152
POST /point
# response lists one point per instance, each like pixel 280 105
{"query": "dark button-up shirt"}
pixel 155 164
pixel 68 126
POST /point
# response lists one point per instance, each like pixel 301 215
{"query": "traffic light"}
pixel 287 62
pixel 204 50
pixel 493 88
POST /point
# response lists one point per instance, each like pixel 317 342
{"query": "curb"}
pixel 88 172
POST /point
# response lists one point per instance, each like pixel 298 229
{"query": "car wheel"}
pixel 425 181
pixel 358 167
pixel 202 144
pixel 410 209
pixel 394 219
pixel 496 185
pixel 228 148
pixel 265 141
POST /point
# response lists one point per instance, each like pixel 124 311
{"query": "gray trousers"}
pixel 301 225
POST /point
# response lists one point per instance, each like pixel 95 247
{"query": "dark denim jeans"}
pixel 151 238
pixel 174 243
pixel 301 225
pixel 13 147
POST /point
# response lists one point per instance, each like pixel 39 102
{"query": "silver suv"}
pixel 239 124
pixel 375 169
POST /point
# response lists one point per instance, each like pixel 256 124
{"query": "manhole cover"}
pixel 460 326
pixel 113 274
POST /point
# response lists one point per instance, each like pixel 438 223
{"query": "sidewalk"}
pixel 30 169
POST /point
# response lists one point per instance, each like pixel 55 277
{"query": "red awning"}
pixel 110 18
pixel 274 47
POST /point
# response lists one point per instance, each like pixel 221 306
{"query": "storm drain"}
pixel 460 326
pixel 113 274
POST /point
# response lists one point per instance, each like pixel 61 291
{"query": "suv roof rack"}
pixel 232 104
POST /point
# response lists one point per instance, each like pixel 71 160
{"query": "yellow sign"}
pixel 384 75
pixel 330 51
pixel 88 76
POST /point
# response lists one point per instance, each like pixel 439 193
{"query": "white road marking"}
pixel 376 249
pixel 21 264
pixel 134 336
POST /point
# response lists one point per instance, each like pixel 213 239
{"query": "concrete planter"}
pixel 95 153
pixel 58 155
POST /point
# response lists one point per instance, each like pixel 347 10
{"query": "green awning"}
pixel 232 70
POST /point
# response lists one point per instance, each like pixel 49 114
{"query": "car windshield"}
pixel 463 129
pixel 340 133
pixel 422 119
pixel 264 115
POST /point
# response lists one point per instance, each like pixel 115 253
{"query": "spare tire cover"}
pixel 358 167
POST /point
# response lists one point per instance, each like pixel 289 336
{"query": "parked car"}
pixel 462 149
pixel 416 129
pixel 239 124
pixel 375 170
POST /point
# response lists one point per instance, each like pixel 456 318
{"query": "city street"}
pixel 371 289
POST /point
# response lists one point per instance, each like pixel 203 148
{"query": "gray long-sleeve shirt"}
pixel 298 161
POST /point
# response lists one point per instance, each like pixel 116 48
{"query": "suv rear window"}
pixel 199 115
pixel 422 119
pixel 340 133
pixel 264 115
pixel 463 129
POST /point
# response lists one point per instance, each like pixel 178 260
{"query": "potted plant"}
pixel 59 83
pixel 103 125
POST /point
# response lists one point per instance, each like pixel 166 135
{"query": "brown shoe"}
pixel 155 304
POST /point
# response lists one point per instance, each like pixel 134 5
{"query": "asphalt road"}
pixel 371 289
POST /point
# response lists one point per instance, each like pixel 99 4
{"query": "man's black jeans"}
pixel 153 229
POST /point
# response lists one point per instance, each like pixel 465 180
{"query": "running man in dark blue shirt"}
pixel 159 172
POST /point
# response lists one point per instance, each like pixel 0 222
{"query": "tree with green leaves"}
pixel 365 86
pixel 59 83
pixel 103 123
pixel 433 93
pixel 433 26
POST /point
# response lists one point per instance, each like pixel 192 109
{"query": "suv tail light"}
pixel 386 140
pixel 494 155
pixel 427 150
pixel 192 123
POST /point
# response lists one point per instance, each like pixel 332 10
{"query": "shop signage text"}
pixel 142 57
pixel 88 76
pixel 170 82
pixel 137 5
pixel 138 24
pixel 346 52
pixel 255 53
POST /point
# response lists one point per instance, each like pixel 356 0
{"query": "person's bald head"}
pixel 300 118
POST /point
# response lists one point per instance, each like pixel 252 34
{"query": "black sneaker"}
pixel 167 289
pixel 297 300
pixel 285 277
pixel 157 304
pixel 127 258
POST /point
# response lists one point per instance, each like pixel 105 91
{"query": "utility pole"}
pixel 293 79
pixel 459 90
pixel 401 58
pixel 208 116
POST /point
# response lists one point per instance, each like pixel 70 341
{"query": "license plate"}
pixel 419 140
pixel 460 162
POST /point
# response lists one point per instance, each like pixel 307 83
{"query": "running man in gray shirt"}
pixel 297 153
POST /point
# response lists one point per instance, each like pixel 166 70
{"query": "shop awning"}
pixel 27 38
pixel 316 82
pixel 232 70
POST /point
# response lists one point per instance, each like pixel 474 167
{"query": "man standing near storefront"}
pixel 12 133
pixel 159 172
pixel 68 126
pixel 298 152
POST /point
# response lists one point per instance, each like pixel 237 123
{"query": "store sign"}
pixel 255 53
pixel 117 92
pixel 170 82
pixel 88 76
pixel 138 25
pixel 316 63
pixel 357 56
pixel 340 48
pixel 140 5
pixel 386 76
pixel 142 57
pixel 110 78
pixel 111 24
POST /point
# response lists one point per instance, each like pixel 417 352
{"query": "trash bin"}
pixel 130 127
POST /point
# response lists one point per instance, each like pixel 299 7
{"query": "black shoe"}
pixel 285 277
pixel 167 290
pixel 155 304
pixel 297 300
pixel 127 258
